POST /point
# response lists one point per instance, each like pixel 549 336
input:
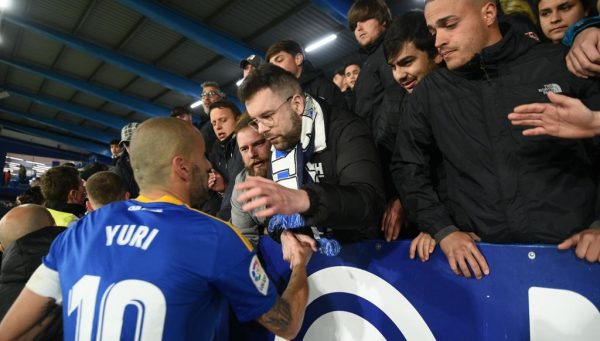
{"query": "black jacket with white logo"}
pixel 500 184
pixel 349 195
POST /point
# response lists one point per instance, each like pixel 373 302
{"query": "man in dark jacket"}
pixel 123 166
pixel 26 233
pixel 501 186
pixel 224 156
pixel 64 193
pixel 368 19
pixel 324 161
pixel 288 55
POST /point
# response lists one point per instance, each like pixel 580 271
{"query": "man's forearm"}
pixel 285 318
pixel 29 316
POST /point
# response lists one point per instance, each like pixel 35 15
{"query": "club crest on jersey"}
pixel 259 276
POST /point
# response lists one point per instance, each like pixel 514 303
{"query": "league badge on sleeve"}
pixel 259 276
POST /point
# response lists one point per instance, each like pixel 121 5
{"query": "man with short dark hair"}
pixel 64 193
pixel 115 150
pixel 501 187
pixel 324 165
pixel 289 55
pixel 369 19
pixel 256 154
pixel 410 51
pixel 103 188
pixel 224 155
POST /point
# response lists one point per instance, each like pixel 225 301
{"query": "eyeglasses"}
pixel 267 118
pixel 210 94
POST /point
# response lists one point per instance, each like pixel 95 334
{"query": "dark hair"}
pixel 588 5
pixel 57 182
pixel 114 141
pixel 225 104
pixel 178 111
pixel 410 27
pixel 105 187
pixel 288 45
pixel 340 71
pixel 92 169
pixel 351 63
pixel 32 195
pixel 269 76
pixel 363 10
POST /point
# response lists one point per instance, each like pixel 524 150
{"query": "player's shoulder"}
pixel 224 230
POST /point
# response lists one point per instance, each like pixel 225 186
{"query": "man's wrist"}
pixel 443 233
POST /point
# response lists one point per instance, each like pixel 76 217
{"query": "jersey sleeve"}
pixel 242 279
pixel 51 259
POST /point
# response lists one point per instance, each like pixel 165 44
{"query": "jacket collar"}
pixel 485 64
pixel 370 49
pixel 76 209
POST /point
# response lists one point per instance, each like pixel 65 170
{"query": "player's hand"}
pixel 462 252
pixel 583 60
pixel 586 243
pixel 393 218
pixel 565 117
pixel 270 198
pixel 297 248
pixel 423 245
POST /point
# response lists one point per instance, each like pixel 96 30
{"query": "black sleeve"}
pixel 354 201
pixel 412 174
pixel 234 167
pixel 588 90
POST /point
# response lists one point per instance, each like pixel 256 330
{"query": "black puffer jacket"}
pixel 314 83
pixel 20 260
pixel 503 186
pixel 348 196
pixel 124 170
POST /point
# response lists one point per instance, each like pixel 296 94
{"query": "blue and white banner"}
pixel 373 291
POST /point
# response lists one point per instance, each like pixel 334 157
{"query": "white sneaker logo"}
pixel 552 87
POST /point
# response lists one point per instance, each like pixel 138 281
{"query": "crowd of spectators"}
pixel 466 122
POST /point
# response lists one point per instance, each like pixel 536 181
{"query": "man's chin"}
pixel 262 172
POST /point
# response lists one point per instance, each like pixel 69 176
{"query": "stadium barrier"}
pixel 373 291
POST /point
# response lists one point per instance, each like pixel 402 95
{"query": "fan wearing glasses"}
pixel 323 165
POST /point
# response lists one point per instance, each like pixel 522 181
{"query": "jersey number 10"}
pixel 145 297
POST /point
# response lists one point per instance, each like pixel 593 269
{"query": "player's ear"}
pixel 181 168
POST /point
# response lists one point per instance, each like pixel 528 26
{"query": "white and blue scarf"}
pixel 289 169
